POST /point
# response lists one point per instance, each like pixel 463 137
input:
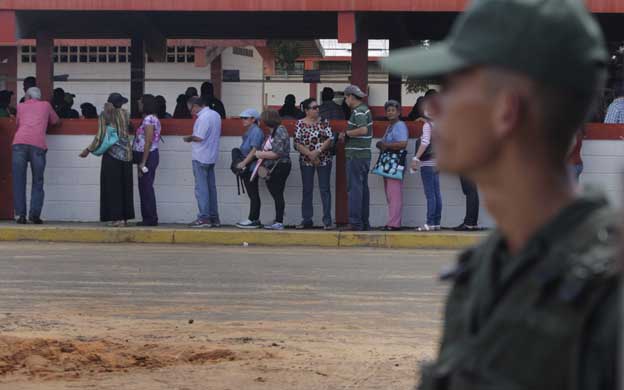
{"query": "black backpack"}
pixel 237 158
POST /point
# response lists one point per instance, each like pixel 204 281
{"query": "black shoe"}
pixel 465 228
pixel 351 228
pixel 304 226
pixel 21 220
pixel 36 220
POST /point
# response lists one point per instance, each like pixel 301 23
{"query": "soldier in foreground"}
pixel 535 306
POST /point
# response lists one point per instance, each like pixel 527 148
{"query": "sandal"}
pixel 117 224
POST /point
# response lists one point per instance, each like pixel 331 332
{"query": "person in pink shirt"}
pixel 29 146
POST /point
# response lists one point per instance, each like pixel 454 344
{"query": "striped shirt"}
pixel 360 147
pixel 615 113
pixel 427 133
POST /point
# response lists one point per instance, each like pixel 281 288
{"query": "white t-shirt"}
pixel 207 127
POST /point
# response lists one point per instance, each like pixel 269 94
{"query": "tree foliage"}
pixel 286 53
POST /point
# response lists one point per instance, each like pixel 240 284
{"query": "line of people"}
pixel 267 157
pixel 262 157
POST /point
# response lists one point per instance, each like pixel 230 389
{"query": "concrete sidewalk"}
pixel 180 234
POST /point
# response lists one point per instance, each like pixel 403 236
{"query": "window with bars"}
pixel 180 54
pixel 103 54
pixel 242 51
pixel 80 54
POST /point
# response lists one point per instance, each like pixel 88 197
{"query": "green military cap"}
pixel 553 41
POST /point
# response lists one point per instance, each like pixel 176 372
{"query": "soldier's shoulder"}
pixel 593 246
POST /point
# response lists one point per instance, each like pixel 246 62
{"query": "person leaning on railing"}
pixel 116 187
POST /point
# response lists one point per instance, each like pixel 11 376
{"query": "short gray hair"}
pixel 33 93
pixel 196 101
pixel 392 103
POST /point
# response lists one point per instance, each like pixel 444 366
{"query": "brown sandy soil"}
pixel 60 349
pixel 118 317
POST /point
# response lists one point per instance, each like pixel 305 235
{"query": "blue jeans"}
pixel 431 183
pixel 307 177
pixel 577 170
pixel 359 195
pixel 206 192
pixel 22 155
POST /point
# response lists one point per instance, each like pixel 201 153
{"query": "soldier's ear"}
pixel 508 113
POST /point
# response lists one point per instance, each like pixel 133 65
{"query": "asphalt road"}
pixel 228 283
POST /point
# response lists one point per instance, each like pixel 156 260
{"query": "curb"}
pixel 375 239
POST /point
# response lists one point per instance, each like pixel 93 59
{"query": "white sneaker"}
pixel 275 226
pixel 247 224
pixel 426 228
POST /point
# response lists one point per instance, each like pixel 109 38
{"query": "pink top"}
pixel 139 138
pixel 33 118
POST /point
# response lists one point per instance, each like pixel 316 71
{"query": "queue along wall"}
pixel 72 184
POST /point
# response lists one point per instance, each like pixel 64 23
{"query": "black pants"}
pixel 254 196
pixel 276 185
pixel 149 210
pixel 116 192
pixel 472 202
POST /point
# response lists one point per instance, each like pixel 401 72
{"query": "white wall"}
pixel 277 91
pixel 72 186
pixel 239 96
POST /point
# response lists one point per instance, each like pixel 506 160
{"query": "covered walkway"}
pixel 149 24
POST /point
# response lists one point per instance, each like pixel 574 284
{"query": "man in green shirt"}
pixel 357 139
pixel 536 306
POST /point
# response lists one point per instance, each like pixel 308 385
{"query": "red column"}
pixel 137 74
pixel 359 77
pixel 8 69
pixel 268 60
pixel 311 65
pixel 359 62
pixel 216 76
pixel 45 65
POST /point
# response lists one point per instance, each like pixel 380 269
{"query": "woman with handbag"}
pixel 313 140
pixel 274 164
pixel 113 144
pixel 395 140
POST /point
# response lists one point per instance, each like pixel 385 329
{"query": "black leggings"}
pixel 276 185
pixel 254 196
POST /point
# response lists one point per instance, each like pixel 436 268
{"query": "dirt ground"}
pixel 102 344
pixel 79 351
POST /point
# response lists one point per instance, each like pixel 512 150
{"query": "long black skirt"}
pixel 116 191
